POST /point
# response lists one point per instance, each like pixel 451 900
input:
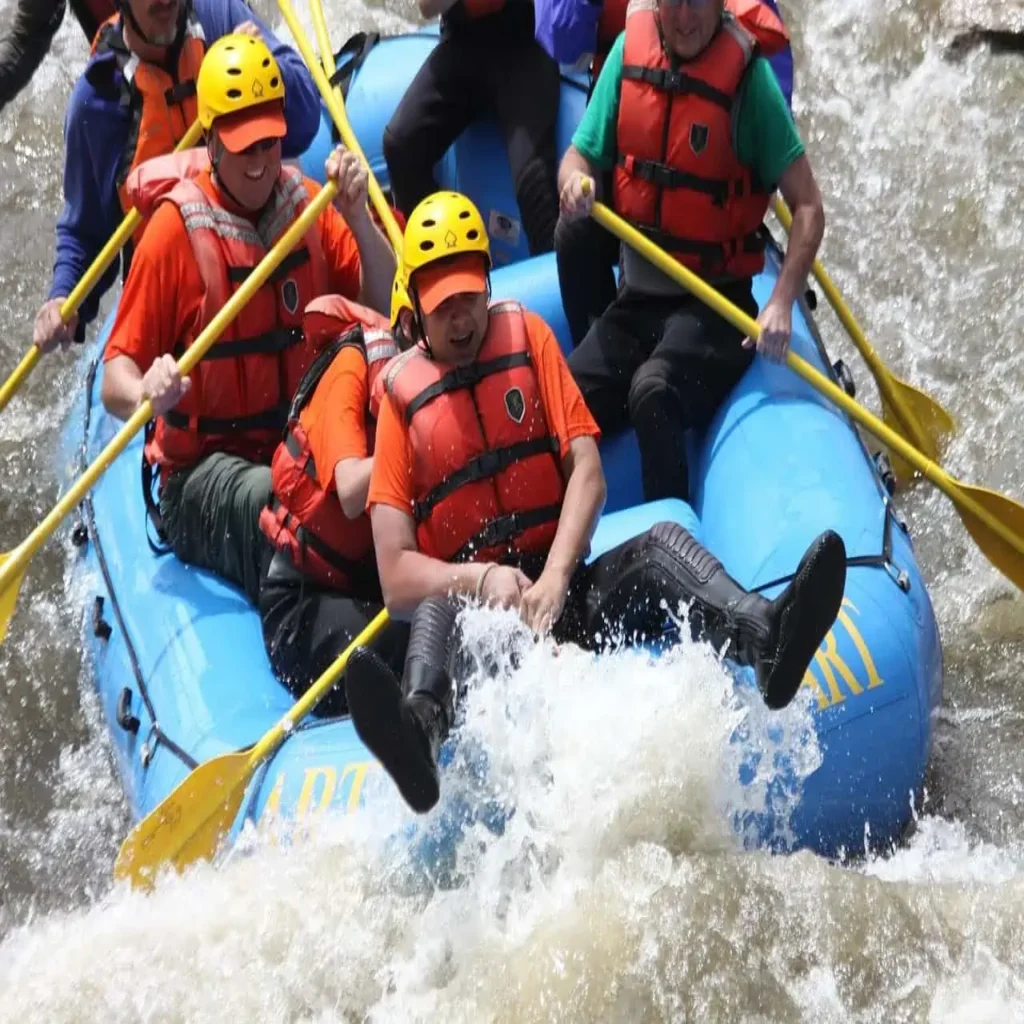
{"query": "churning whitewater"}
pixel 618 889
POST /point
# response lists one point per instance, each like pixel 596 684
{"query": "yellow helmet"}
pixel 399 298
pixel 444 224
pixel 237 72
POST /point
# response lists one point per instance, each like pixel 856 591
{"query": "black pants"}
pixel 586 254
pixel 211 515
pixel 306 626
pixel 663 365
pixel 623 596
pixel 464 78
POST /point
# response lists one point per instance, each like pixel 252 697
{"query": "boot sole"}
pixel 375 703
pixel 812 602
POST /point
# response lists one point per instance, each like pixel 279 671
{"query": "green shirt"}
pixel 766 139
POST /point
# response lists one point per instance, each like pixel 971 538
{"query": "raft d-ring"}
pixel 899 576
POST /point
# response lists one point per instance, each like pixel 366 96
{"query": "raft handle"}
pixel 100 626
pixel 884 469
pixel 123 714
pixel 845 378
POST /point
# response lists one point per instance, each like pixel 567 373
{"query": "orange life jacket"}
pixel 487 483
pixel 678 178
pixel 242 388
pixel 163 105
pixel 304 520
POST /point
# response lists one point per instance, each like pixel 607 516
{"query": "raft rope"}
pixel 89 517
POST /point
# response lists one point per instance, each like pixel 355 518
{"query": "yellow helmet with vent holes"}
pixel 238 72
pixel 444 224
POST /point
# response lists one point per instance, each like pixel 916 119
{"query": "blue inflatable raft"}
pixel 178 655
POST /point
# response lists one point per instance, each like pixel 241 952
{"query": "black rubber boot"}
pixel 405 733
pixel 778 638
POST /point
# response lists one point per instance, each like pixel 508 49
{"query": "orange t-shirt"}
pixel 567 416
pixel 162 300
pixel 335 417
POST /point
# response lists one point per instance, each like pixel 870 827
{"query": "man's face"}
pixel 689 26
pixel 456 328
pixel 158 19
pixel 249 176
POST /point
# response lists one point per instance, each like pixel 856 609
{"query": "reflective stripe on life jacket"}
pixel 678 177
pixel 162 105
pixel 487 483
pixel 305 520
pixel 241 390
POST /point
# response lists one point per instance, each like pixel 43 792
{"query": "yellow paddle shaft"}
pixel 106 256
pixel 276 735
pixel 336 108
pixel 19 558
pixel 752 329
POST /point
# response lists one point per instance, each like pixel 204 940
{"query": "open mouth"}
pixel 462 340
pixel 256 175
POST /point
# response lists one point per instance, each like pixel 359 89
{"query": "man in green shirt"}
pixel 698 135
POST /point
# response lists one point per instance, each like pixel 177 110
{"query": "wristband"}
pixel 483 576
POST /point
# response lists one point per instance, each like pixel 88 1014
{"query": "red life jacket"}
pixel 609 26
pixel 162 105
pixel 678 178
pixel 305 520
pixel 241 390
pixel 487 483
pixel 481 8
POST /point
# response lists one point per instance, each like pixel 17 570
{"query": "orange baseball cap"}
pixel 240 130
pixel 439 281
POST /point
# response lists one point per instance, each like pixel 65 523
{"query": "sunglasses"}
pixel 695 4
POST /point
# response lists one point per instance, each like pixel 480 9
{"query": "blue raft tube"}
pixel 178 657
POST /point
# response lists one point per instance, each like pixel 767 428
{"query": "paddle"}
pixel 994 521
pixel 189 824
pixel 13 564
pixel 336 107
pixel 69 307
pixel 915 416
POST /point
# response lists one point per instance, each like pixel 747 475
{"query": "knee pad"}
pixel 649 387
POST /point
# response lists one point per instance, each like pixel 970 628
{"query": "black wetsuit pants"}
pixel 466 76
pixel 662 365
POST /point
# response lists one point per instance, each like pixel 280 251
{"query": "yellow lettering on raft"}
pixel 831 664
pixel 309 783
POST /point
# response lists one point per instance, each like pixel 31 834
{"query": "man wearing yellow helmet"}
pixel 214 215
pixel 135 100
pixel 486 483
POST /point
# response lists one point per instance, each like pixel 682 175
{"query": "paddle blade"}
pixel 931 429
pixel 1005 553
pixel 8 595
pixel 190 823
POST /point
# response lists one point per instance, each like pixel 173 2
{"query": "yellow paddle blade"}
pixel 979 507
pixel 189 824
pixel 8 595
pixel 934 425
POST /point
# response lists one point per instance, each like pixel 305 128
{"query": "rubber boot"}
pixel 405 733
pixel 779 637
